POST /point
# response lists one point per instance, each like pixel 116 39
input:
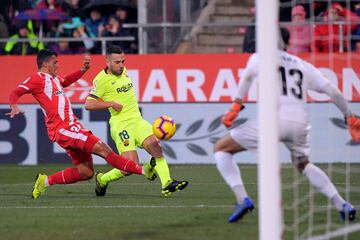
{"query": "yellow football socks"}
pixel 112 175
pixel 162 170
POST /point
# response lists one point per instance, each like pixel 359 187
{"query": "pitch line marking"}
pixel 116 206
pixel 337 233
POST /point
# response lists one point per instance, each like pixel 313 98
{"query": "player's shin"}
pixel 231 174
pixel 322 183
pixel 66 176
pixel 112 175
pixel 123 163
pixel 162 170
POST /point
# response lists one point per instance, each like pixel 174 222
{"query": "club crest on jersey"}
pixel 126 142
pixel 125 88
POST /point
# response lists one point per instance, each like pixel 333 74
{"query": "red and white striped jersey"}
pixel 49 93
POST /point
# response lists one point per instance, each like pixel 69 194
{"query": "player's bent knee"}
pixel 152 145
pixel 300 162
pixel 101 148
pixel 87 174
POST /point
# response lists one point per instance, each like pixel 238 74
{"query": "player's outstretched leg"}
pixel 323 184
pixel 39 187
pixel 100 188
pixel 102 180
pixel 65 176
pixel 173 186
pixel 168 185
pixel 241 209
pixel 149 169
pixel 348 212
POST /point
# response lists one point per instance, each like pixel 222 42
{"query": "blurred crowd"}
pixel 317 26
pixel 314 26
pixel 65 19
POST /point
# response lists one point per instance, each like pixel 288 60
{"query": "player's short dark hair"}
pixel 285 35
pixel 114 49
pixel 43 56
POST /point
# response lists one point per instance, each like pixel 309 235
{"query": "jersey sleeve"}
pixel 31 84
pixel 317 80
pixel 98 89
pixel 248 76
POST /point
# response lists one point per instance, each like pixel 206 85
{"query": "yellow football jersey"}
pixel 120 89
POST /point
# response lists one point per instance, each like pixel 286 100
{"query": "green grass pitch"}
pixel 134 209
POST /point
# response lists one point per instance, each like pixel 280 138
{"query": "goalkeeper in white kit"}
pixel 296 77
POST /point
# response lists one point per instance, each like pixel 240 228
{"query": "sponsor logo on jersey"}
pixel 59 92
pixel 125 88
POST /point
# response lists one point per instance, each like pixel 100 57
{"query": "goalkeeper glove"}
pixel 353 123
pixel 230 116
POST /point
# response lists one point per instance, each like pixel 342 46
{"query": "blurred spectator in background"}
pixel 92 25
pixel 76 28
pixel 9 9
pixel 355 43
pixel 50 4
pixel 25 31
pixel 114 29
pixel 249 44
pixel 73 8
pixel 4 32
pixel 300 31
pixel 327 36
pixel 94 21
pixel 122 14
pixel 62 47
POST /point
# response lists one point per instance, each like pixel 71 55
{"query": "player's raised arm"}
pixel 73 77
pixel 237 105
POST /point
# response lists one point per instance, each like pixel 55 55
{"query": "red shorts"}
pixel 77 141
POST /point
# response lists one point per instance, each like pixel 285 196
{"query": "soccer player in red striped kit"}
pixel 63 126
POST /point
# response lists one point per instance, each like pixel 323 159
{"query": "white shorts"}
pixel 295 136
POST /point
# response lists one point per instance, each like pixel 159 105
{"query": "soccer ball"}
pixel 164 127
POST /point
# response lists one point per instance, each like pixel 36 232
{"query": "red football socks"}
pixel 124 164
pixel 66 176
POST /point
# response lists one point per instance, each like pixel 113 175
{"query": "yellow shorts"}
pixel 130 134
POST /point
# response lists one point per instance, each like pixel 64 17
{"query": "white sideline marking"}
pixel 139 184
pixel 339 232
pixel 117 206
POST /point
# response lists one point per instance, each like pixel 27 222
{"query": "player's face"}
pixel 116 63
pixel 53 66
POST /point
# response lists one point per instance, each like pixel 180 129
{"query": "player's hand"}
pixel 353 123
pixel 231 115
pixel 116 106
pixel 86 63
pixel 15 110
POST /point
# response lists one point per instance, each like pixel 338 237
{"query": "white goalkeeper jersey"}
pixel 296 77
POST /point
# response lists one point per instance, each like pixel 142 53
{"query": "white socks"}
pixel 230 171
pixel 322 183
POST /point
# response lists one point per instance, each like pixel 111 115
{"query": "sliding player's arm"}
pixel 13 100
pixel 245 84
pixel 32 84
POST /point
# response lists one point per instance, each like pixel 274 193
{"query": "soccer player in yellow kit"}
pixel 113 90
